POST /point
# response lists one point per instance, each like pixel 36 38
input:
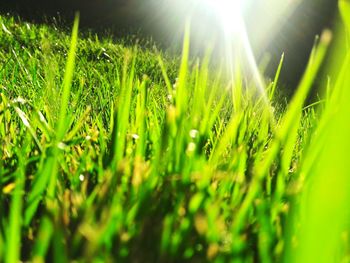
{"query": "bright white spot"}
pixel 88 138
pixel 81 177
pixel 135 136
pixel 193 134
pixel 19 100
pixel 229 12
pixel 61 146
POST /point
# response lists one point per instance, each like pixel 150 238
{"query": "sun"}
pixel 230 14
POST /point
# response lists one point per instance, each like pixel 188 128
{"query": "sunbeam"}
pixel 230 14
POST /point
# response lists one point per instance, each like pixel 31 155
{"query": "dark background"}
pixel 164 23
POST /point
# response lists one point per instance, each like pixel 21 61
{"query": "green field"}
pixel 112 152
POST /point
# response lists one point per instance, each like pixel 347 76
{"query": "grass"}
pixel 117 153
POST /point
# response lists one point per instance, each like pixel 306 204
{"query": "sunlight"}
pixel 230 13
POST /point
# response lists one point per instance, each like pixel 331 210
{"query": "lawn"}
pixel 118 152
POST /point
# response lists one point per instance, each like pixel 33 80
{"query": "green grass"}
pixel 117 153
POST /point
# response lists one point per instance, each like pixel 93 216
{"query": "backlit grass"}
pixel 116 153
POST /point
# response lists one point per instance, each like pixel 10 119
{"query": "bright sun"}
pixel 230 14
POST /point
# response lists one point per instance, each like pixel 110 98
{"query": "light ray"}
pixel 236 37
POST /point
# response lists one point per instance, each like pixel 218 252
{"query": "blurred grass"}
pixel 116 153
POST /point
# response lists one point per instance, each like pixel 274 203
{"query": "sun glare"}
pixel 230 14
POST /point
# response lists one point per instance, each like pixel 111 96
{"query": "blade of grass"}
pixel 13 244
pixel 48 175
pixel 291 118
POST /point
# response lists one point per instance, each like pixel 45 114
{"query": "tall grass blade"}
pixel 46 178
